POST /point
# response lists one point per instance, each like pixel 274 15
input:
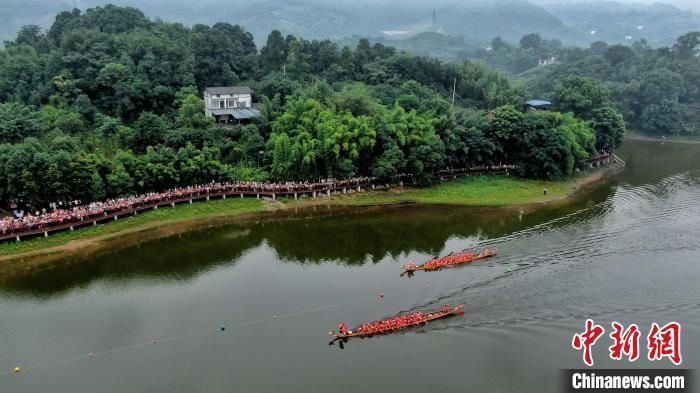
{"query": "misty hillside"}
pixel 476 21
pixel 660 24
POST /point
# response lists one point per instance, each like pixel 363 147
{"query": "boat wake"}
pixel 567 267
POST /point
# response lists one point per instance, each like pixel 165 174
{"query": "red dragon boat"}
pixel 448 261
pixel 393 324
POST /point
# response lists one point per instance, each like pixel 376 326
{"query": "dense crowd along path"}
pixel 76 214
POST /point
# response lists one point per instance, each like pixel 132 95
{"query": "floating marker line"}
pixel 202 332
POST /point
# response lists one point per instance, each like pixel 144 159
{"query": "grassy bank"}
pixel 473 191
pixel 160 217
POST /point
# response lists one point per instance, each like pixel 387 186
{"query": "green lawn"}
pixel 183 212
pixel 476 191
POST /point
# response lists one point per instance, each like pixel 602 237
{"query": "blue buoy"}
pixel 222 328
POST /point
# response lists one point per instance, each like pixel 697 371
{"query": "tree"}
pixel 83 106
pixel 30 35
pixel 149 130
pixel 661 84
pixel 663 118
pixel 274 54
pixel 547 155
pixel 82 183
pixel 531 41
pixel 223 54
pixel 281 156
pixel 97 187
pixel 277 83
pixel 253 143
pixel 687 45
pixel 298 62
pixel 498 44
pixel 599 47
pixel 391 162
pixel 119 182
pixel 581 95
pixel 63 120
pixel 618 54
pixel 191 113
pixel 116 89
pixel 609 127
pixel 18 122
pixel 506 131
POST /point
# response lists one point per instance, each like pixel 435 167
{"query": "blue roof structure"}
pixel 539 103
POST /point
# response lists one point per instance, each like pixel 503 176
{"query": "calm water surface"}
pixel 627 250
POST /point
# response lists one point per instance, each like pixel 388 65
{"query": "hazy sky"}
pixel 683 4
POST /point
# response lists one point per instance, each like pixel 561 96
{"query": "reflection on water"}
pixel 626 250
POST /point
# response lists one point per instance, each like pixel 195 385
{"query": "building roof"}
pixel 538 103
pixel 229 90
pixel 237 113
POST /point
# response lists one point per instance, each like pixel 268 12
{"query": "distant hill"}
pixel 476 21
pixel 660 24
pixel 484 20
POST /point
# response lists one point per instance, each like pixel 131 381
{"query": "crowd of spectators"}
pixel 477 169
pixel 60 214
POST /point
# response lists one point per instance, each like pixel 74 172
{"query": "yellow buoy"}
pixel 17 369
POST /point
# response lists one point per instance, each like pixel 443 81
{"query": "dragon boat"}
pixel 393 324
pixel 448 261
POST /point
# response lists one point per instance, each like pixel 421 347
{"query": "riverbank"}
pixel 668 139
pixel 29 254
pixel 24 256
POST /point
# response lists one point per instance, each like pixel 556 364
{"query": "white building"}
pixel 229 104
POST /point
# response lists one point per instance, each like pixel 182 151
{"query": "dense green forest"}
pixel 656 89
pixel 108 103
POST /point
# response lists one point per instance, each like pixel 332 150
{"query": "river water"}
pixel 627 250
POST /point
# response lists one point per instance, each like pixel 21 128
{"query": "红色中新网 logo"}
pixel 663 342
